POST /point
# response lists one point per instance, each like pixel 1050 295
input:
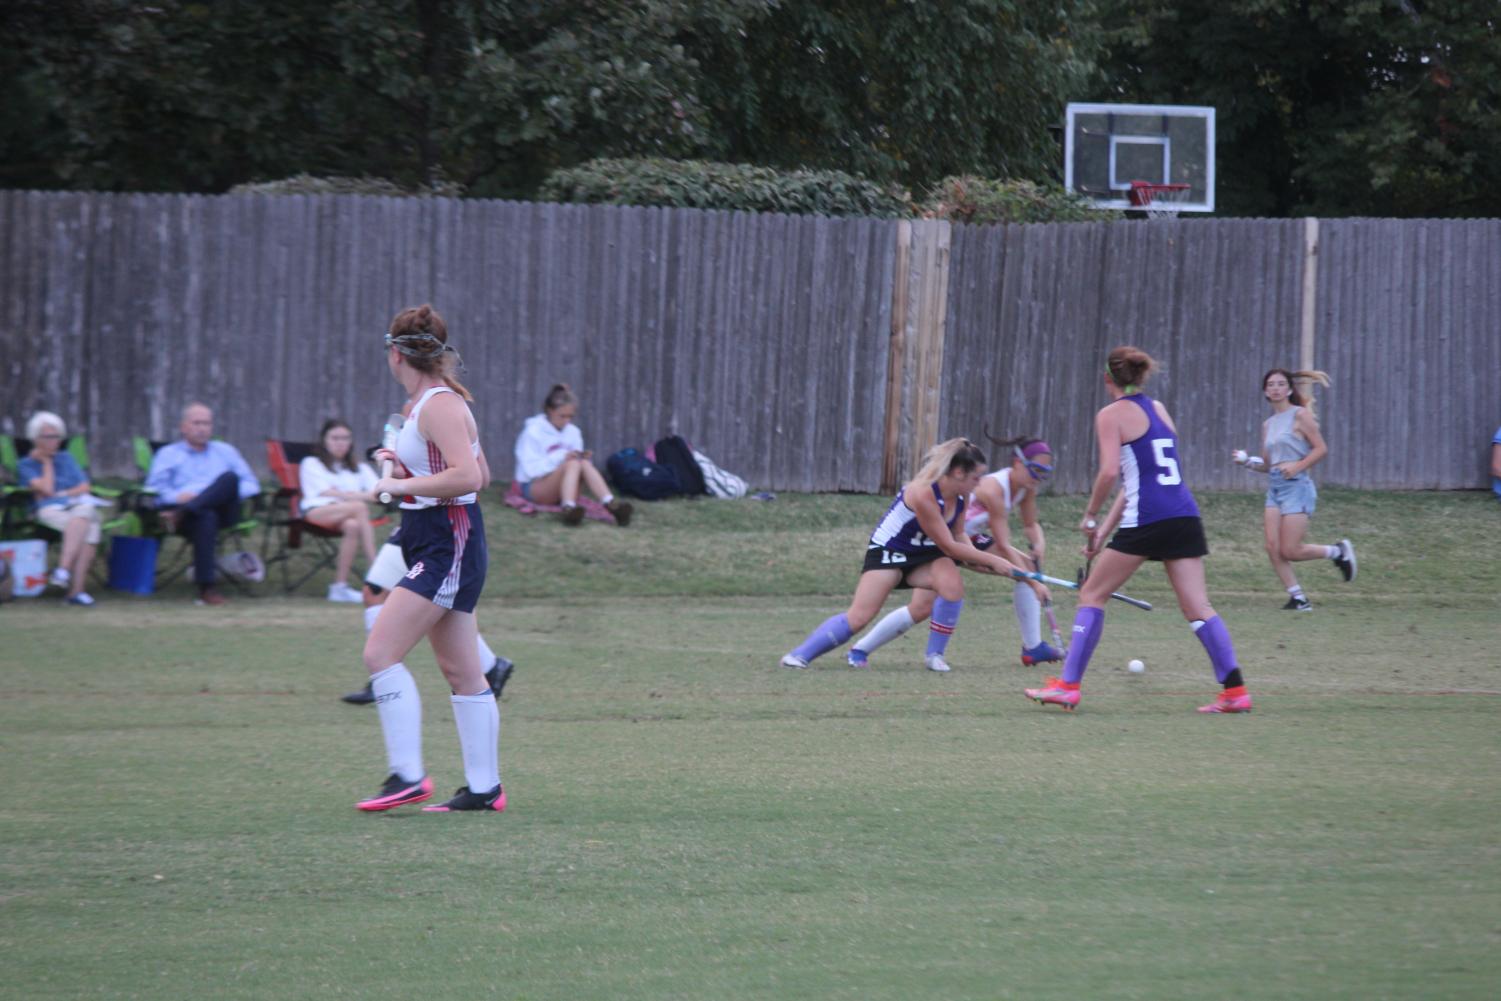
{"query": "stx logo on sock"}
pixel 388 697
pixel 1080 629
pixel 416 571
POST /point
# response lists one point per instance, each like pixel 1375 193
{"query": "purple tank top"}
pixel 1150 473
pixel 899 530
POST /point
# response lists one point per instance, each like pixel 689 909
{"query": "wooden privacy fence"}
pixel 803 353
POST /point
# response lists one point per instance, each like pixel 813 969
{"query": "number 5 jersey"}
pixel 1150 473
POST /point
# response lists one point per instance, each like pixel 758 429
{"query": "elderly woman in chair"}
pixel 60 489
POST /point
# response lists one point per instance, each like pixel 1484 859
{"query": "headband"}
pixel 419 345
pixel 1033 449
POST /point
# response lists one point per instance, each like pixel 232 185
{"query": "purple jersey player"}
pixel 1158 520
pixel 916 544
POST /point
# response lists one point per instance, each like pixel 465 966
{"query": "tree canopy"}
pixel 1327 107
pixel 1389 107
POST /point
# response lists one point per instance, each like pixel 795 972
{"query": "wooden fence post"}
pixel 1310 292
pixel 919 314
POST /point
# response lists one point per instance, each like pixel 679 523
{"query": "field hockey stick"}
pixel 388 442
pixel 1047 608
pixel 1083 573
pixel 1145 606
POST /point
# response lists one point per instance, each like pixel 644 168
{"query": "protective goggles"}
pixel 1039 470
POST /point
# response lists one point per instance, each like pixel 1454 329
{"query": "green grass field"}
pixel 688 820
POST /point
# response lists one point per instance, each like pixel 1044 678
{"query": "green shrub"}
pixel 307 184
pixel 702 184
pixel 980 200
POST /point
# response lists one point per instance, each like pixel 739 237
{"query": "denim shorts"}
pixel 1295 496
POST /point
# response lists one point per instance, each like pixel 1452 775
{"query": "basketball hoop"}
pixel 1159 201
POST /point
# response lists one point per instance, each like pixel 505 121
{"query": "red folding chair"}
pixel 286 528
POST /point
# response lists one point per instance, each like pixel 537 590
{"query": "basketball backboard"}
pixel 1107 146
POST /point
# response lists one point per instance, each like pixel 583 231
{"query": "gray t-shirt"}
pixel 1283 442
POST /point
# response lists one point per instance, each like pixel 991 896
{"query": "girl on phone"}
pixel 552 463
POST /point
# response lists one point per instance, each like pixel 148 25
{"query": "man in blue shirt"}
pixel 199 485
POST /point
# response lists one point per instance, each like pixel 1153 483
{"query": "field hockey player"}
pixel 1012 487
pixel 1158 520
pixel 443 544
pixel 918 544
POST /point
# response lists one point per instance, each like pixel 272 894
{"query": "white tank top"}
pixel 979 518
pixel 422 458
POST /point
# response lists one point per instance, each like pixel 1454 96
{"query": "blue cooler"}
pixel 132 563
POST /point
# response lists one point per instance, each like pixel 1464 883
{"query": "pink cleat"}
pixel 1053 693
pixel 397 791
pixel 494 801
pixel 1228 704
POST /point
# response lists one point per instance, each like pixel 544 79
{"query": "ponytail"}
pixel 1308 378
pixel 1023 446
pixel 945 457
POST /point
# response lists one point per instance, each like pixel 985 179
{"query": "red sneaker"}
pixel 1228 704
pixel 1053 693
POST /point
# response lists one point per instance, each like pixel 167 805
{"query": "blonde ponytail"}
pixel 1304 395
pixel 944 457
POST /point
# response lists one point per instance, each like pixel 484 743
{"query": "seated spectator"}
pixel 199 484
pixel 61 502
pixel 1496 463
pixel 336 494
pixel 551 461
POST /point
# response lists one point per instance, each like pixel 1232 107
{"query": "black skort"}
pixel 1168 539
pixel 879 558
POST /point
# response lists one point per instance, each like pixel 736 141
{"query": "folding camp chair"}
pixel 143 518
pixel 286 529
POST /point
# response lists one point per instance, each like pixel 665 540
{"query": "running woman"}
pixel 437 472
pixel 1292 444
pixel 1012 487
pixel 1158 520
pixel 918 544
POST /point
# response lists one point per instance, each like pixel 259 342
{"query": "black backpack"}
pixel 676 454
pixel 636 475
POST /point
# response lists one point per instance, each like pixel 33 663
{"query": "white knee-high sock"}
pixel 371 611
pixel 487 656
pixel 1028 615
pixel 883 632
pixel 478 722
pixel 400 709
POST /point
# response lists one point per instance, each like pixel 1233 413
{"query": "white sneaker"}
pixel 935 662
pixel 60 578
pixel 342 592
pixel 82 598
pixel 793 660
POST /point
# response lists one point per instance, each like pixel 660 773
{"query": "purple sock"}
pixel 941 626
pixel 1089 623
pixel 1216 639
pixel 832 632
